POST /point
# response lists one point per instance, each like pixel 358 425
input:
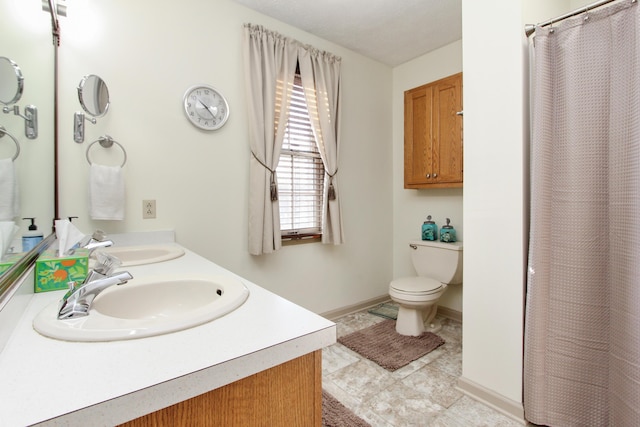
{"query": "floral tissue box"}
pixel 53 273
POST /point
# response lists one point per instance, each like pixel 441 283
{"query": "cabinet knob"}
pixel 428 175
pixel 435 175
pixel 460 113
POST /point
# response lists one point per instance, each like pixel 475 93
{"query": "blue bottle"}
pixel 448 233
pixel 429 230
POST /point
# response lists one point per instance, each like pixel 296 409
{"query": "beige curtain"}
pixel 270 65
pixel 321 71
pixel 582 326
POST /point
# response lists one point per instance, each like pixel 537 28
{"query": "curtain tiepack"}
pixel 270 66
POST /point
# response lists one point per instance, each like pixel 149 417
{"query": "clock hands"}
pixel 212 110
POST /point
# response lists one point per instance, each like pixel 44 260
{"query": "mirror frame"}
pixel 94 92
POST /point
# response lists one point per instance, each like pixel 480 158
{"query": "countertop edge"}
pixel 134 405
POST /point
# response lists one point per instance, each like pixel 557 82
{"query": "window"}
pixel 300 173
pixel 270 67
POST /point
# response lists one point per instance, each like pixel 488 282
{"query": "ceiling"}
pixel 389 31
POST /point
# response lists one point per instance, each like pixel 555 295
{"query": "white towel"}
pixel 106 192
pixel 9 197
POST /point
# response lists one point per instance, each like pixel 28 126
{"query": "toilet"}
pixel 438 265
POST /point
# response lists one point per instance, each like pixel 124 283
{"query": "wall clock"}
pixel 206 107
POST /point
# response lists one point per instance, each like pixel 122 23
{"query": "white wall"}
pixel 493 195
pixel 576 4
pixel 495 192
pixel 149 55
pixel 411 207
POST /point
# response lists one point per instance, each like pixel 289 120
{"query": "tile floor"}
pixel 422 393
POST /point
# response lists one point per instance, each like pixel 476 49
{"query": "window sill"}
pixel 300 239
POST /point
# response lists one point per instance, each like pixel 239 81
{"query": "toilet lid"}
pixel 416 285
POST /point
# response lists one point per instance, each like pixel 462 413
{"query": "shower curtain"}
pixel 582 325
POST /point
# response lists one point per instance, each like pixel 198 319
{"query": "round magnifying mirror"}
pixel 11 81
pixel 93 95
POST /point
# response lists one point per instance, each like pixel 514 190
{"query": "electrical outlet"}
pixel 148 209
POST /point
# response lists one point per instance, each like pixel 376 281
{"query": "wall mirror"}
pixel 27 42
pixel 11 81
pixel 93 94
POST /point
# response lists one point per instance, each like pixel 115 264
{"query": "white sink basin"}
pixel 144 254
pixel 147 307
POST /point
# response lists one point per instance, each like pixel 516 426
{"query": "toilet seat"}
pixel 416 286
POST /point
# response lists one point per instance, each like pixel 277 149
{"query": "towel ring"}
pixel 4 132
pixel 107 142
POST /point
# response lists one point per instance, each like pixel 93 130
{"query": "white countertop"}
pixel 59 383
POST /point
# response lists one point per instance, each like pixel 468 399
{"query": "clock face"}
pixel 205 107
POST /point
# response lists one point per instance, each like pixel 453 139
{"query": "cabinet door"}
pixel 418 136
pixel 433 134
pixel 447 129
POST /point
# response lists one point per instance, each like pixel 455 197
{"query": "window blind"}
pixel 300 172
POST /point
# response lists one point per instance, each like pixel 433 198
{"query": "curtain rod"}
pixel 530 28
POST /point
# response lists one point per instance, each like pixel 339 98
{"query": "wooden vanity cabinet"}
pixel 433 134
pixel 289 394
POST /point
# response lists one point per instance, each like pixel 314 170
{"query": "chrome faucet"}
pixel 78 300
pixel 92 245
pixel 97 240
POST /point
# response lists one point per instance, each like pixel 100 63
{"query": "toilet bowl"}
pixel 438 265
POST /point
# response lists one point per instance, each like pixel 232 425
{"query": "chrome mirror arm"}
pixel 30 119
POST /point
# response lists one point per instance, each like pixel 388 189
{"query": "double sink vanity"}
pixel 184 342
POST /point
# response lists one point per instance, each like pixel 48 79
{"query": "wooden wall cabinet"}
pixel 433 134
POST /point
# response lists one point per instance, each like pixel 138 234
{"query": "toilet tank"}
pixel 438 260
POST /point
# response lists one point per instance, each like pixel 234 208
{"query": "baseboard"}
pixel 334 315
pixel 508 407
pixel 450 313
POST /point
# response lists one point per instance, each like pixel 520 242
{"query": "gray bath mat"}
pixel 386 310
pixel 383 345
pixel 335 414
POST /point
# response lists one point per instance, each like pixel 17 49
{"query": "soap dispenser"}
pixel 429 230
pixel 448 233
pixel 31 238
